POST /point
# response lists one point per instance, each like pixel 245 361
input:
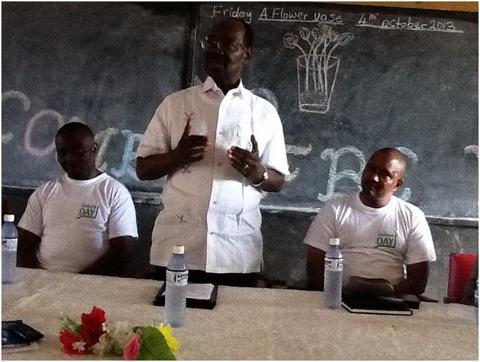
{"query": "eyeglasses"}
pixel 213 45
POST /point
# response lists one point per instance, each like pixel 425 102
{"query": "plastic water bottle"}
pixel 9 248
pixel 176 290
pixel 332 286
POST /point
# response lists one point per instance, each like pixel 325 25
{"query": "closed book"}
pixel 199 295
pixel 375 305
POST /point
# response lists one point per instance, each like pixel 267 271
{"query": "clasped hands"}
pixel 192 148
pixel 368 287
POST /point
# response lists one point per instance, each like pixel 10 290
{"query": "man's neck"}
pixel 375 203
pixel 225 87
pixel 93 174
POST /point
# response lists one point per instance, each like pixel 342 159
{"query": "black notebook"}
pixel 375 305
pixel 199 295
pixel 18 336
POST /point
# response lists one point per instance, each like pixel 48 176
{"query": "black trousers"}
pixel 199 276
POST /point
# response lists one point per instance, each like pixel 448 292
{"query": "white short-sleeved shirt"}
pixel 375 242
pixel 209 206
pixel 76 218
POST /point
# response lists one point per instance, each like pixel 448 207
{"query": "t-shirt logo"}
pixel 88 211
pixel 386 240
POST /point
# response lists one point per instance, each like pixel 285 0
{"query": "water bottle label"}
pixel 9 244
pixel 334 265
pixel 177 277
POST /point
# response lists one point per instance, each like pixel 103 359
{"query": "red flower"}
pixel 72 343
pixel 132 349
pixel 92 328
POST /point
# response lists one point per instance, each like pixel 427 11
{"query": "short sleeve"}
pixel 122 220
pixel 420 246
pixel 156 139
pixel 32 219
pixel 322 228
pixel 275 153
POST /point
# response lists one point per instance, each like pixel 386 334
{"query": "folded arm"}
pixel 28 244
pixel 116 260
pixel 315 268
pixel 416 280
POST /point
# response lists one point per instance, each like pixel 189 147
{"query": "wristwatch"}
pixel 264 178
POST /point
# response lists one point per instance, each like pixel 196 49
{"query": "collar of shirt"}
pixel 210 84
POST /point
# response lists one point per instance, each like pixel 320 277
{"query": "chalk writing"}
pixel 129 155
pixel 232 11
pixel 471 149
pixel 28 145
pixel 126 168
pixel 334 176
pixel 374 20
pixel 297 151
pixel 288 15
pixel 102 139
pixel 16 95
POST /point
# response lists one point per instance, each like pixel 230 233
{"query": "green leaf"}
pixel 153 345
pixel 70 325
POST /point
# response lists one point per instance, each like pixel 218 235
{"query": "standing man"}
pixel 385 241
pixel 83 221
pixel 221 147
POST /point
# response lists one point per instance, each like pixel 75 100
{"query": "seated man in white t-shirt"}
pixel 385 241
pixel 83 221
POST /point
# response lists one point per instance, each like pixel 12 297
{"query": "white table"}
pixel 247 323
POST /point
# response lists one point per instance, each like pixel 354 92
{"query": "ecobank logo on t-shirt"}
pixel 88 211
pixel 386 240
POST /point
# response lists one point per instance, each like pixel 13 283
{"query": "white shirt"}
pixel 375 242
pixel 209 206
pixel 76 218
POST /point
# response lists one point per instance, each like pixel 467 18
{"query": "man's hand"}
pixel 190 148
pixel 246 162
pixel 368 287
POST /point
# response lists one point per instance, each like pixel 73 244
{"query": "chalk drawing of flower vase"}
pixel 316 80
pixel 316 67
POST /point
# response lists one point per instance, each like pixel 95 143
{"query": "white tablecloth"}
pixel 247 323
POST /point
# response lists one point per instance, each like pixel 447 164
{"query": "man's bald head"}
pixel 393 154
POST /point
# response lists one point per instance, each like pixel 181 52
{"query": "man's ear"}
pixel 95 148
pixel 399 183
pixel 248 55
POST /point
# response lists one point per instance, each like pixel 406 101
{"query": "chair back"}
pixel 460 268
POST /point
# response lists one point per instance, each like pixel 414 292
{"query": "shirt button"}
pixel 214 202
pixel 219 164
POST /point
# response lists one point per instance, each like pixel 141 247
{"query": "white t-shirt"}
pixel 209 206
pixel 375 243
pixel 76 218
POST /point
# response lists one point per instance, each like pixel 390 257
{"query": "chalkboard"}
pixel 376 77
pixel 108 65
pixel 388 77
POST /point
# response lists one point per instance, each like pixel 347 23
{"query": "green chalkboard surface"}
pixel 374 77
pixel 346 80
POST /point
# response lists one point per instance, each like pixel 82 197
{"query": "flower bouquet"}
pixel 93 335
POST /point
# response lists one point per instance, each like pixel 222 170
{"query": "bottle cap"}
pixel 178 249
pixel 334 241
pixel 9 218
